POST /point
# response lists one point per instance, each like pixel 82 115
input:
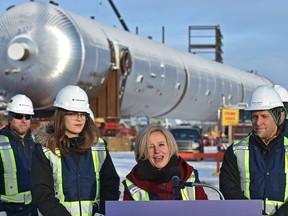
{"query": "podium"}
pixel 184 208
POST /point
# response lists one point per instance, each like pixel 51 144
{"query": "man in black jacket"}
pixel 256 166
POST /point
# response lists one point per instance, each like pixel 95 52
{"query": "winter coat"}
pixel 22 150
pixel 43 193
pixel 230 185
pixel 161 188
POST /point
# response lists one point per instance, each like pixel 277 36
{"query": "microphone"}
pixel 176 184
pixel 193 184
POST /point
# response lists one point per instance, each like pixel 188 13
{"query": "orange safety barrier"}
pixel 218 156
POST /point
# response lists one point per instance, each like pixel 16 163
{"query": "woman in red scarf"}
pixel 158 163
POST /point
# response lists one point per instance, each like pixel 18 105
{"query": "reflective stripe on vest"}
pixel 10 177
pixel 138 194
pixel 189 193
pixel 241 150
pixel 98 154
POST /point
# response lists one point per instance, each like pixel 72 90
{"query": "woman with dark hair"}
pixel 72 171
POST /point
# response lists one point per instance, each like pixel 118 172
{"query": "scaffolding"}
pixel 206 40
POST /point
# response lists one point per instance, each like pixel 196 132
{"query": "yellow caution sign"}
pixel 230 117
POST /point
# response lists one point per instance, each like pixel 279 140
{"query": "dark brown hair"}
pixel 59 140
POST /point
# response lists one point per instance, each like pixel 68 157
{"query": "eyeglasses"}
pixel 75 115
pixel 20 116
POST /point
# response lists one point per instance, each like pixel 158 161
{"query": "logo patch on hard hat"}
pixel 25 105
pixel 78 100
pixel 257 103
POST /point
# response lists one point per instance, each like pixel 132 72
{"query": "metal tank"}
pixel 44 48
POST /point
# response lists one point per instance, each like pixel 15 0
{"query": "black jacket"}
pixel 43 186
pixel 229 174
pixel 284 128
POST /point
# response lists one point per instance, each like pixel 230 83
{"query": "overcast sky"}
pixel 254 32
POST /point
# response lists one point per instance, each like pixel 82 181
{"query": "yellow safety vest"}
pixel 138 194
pixel 241 150
pixel 10 175
pixel 98 154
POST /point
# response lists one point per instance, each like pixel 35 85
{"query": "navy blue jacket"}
pixel 265 159
pixel 23 149
pixel 43 184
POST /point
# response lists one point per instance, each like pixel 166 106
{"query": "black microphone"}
pixel 176 184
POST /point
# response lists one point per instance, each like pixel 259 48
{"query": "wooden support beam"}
pixel 107 103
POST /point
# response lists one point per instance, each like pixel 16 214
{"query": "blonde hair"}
pixel 142 141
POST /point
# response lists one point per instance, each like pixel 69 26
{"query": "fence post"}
pixel 218 159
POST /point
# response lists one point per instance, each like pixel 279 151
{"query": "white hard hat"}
pixel 72 98
pixel 264 98
pixel 282 92
pixel 20 104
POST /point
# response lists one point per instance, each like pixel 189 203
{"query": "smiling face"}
pixel 263 124
pixel 158 151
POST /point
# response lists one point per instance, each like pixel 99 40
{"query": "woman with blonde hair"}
pixel 158 162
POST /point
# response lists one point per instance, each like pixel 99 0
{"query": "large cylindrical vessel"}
pixel 44 48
